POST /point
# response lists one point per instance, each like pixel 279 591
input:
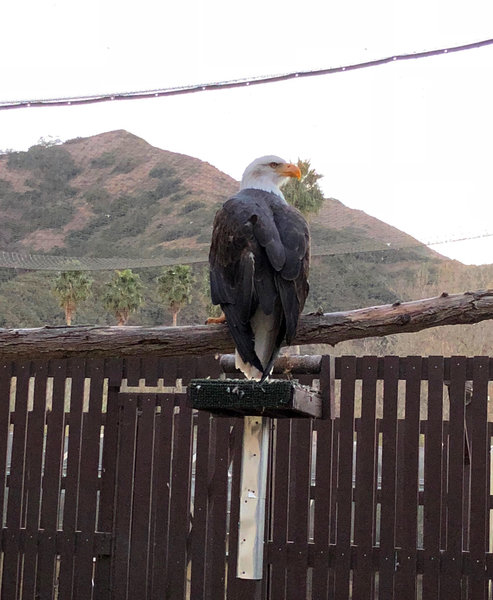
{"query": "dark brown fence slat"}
pixel 407 521
pixel 70 505
pixel 5 381
pixel 433 480
pixel 208 550
pixel 133 371
pixel 399 499
pixel 445 463
pixel 50 503
pixel 345 479
pixel 34 458
pixel 452 561
pixel 235 453
pixel 365 483
pixel 388 482
pixel 301 441
pixel 179 514
pixel 102 576
pixel 479 479
pixel 208 366
pixel 15 505
pixel 166 424
pixel 333 504
pixel 200 506
pixel 125 475
pixel 186 368
pixel 150 370
pixel 279 510
pixel 321 524
pixel 113 370
pixel 140 536
pixel 218 496
pixel 238 589
pixel 169 368
pixel 88 482
pixel 161 495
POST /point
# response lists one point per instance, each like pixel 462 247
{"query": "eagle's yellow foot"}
pixel 215 320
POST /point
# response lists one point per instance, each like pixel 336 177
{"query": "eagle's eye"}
pixel 273 165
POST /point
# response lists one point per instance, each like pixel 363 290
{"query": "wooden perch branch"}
pixel 328 328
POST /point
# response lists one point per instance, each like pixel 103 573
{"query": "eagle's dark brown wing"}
pixel 259 258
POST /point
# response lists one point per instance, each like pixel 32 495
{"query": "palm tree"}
pixel 71 287
pixel 175 289
pixel 123 295
pixel 305 194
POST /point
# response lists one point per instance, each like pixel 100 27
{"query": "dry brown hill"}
pixel 117 164
pixel 108 166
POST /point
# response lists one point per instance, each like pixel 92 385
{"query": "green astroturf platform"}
pixel 277 398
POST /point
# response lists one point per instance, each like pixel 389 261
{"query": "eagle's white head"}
pixel 268 173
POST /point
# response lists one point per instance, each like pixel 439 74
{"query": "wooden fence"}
pixel 112 490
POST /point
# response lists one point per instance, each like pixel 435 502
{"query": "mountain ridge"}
pixel 118 163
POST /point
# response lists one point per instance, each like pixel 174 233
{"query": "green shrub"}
pixel 167 187
pixel 5 187
pixel 191 206
pixel 53 164
pixel 105 160
pixel 162 172
pixel 126 164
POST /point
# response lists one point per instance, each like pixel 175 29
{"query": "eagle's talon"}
pixel 216 320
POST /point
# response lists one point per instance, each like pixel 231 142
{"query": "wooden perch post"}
pixel 328 328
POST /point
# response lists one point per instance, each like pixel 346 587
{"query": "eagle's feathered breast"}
pixel 259 261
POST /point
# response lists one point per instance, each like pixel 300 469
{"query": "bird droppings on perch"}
pixel 241 397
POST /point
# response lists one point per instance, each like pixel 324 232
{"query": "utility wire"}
pixel 237 83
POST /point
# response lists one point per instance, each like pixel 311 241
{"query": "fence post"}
pixel 253 488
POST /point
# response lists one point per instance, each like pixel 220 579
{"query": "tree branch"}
pixel 328 328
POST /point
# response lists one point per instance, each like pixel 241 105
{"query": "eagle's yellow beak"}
pixel 290 170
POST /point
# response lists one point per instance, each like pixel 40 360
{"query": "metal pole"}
pixel 253 491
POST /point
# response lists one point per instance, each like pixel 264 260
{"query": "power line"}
pixel 237 83
pixel 46 262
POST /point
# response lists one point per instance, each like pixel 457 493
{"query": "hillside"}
pixel 109 195
pixel 114 195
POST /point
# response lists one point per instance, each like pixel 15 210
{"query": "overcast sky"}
pixel 410 143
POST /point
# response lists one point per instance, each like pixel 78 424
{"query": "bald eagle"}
pixel 259 260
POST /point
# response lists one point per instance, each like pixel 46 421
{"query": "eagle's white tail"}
pixel 265 329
